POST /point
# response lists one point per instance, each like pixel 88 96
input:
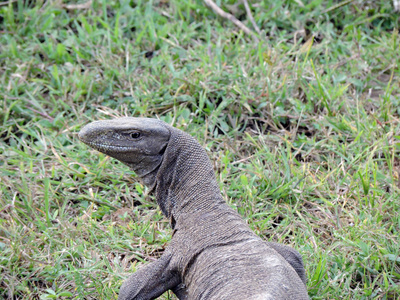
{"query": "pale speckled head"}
pixel 137 142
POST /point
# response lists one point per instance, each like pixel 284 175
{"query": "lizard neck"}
pixel 185 181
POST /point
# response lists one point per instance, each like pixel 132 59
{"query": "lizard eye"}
pixel 135 135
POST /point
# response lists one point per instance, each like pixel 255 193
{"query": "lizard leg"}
pixel 150 281
pixel 292 257
pixel 180 291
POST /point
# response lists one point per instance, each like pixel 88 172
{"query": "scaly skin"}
pixel 213 254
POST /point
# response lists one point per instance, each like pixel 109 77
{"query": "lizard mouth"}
pixel 108 148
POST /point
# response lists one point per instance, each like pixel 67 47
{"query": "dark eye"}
pixel 135 135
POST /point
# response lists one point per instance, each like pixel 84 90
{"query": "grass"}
pixel 303 130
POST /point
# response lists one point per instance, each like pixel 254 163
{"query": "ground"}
pixel 302 127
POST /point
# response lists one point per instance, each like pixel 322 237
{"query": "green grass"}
pixel 303 130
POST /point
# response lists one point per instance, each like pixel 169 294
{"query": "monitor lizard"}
pixel 213 253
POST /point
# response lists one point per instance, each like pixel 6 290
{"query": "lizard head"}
pixel 169 161
pixel 137 142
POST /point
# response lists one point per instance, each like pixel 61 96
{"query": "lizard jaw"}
pixel 107 148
